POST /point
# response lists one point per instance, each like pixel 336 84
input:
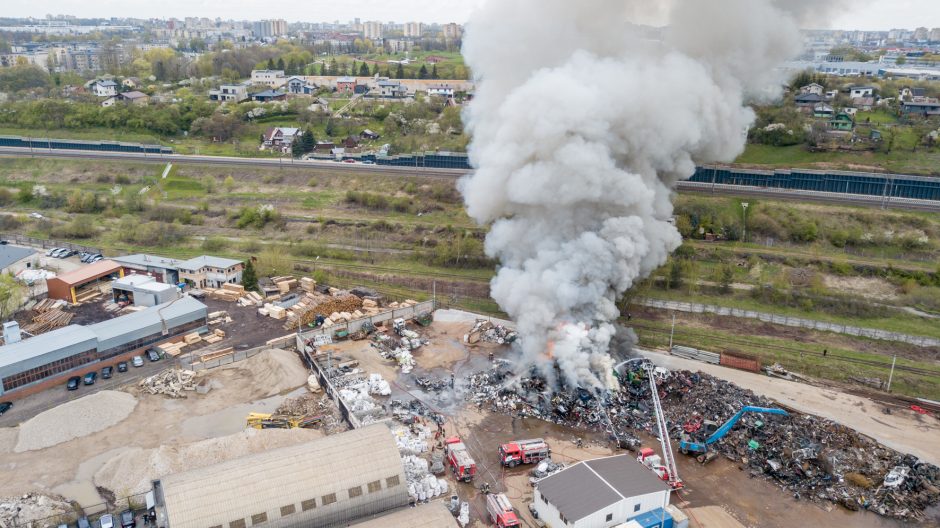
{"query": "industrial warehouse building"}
pixel 332 481
pixel 599 493
pixel 75 349
pixel 204 271
pixel 72 285
pixel 142 290
pixel 15 258
pixel 163 269
pixel 433 515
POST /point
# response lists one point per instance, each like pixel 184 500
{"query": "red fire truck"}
pixel 459 458
pixel 523 452
pixel 500 510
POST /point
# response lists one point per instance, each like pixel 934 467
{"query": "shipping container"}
pixel 750 364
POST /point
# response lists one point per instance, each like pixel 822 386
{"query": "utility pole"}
pixel 673 331
pixel 891 375
pixel 744 217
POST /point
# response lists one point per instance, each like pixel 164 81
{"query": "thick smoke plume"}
pixel 581 125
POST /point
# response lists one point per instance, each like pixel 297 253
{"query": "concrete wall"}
pixel 356 325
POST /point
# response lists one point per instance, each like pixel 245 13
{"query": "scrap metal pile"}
pixel 488 332
pixel 810 457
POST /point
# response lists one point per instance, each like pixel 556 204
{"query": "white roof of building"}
pixel 207 260
pixel 141 259
pixel 130 281
pixel 265 482
pixel 156 287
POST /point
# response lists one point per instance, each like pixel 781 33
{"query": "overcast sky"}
pixel 858 15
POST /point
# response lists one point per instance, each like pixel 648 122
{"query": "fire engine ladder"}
pixel 674 481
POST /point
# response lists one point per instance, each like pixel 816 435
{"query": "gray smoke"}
pixel 581 126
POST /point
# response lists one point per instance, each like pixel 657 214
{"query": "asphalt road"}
pixel 684 186
pixel 25 408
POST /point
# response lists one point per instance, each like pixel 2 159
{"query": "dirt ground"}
pixel 256 384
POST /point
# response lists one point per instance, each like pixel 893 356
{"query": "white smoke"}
pixel 581 125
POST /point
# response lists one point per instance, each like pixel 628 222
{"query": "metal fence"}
pixel 23 240
pixel 786 320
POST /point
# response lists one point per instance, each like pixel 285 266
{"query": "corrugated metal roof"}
pixel 43 344
pixel 590 486
pixel 88 272
pixel 153 316
pixel 264 483
pixel 434 515
pixel 10 255
pixel 129 281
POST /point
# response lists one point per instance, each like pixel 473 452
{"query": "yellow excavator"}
pixel 275 421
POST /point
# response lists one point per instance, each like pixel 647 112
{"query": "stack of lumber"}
pixel 275 312
pixel 228 292
pixel 48 319
pixel 308 285
pixel 251 299
pixel 173 349
pixel 91 294
pixel 192 338
pixel 219 317
pixel 284 284
pixel 215 336
pixel 48 304
pixel 209 356
pixel 312 305
pixel 403 304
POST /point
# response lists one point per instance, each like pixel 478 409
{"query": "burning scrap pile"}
pixel 484 330
pixel 170 382
pixel 813 458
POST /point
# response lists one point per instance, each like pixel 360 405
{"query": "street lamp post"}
pixel 744 217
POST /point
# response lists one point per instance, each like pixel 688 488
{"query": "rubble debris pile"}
pixel 33 508
pixel 809 457
pixel 310 406
pixel 484 330
pixel 171 382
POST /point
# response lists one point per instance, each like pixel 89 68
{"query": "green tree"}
pixel 249 276
pixel 229 183
pixel 280 63
pixel 330 128
pixel 309 142
pixel 434 72
pixel 11 295
pixel 271 63
pixel 674 280
pixel 297 148
pixel 25 195
pixel 725 276
pixel 400 72
pixel 423 72
pixel 364 70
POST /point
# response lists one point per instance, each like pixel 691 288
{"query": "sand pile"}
pixel 31 508
pixel 7 439
pixel 271 372
pixel 131 471
pixel 75 419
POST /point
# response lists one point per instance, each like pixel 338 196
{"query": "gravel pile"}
pixel 75 419
pixel 133 470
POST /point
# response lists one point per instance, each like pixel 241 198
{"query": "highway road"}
pixel 684 186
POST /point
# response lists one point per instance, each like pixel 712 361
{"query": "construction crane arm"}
pixel 723 430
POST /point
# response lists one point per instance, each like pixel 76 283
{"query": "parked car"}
pixel 52 250
pixel 60 252
pixel 122 366
pixel 73 383
pixel 152 355
pixel 106 521
pixel 349 161
pixel 69 253
pixel 90 378
pixel 137 361
pixel 96 258
pixel 83 522
pixel 3 242
pixel 107 372
pixel 87 257
pixel 5 406
pixel 127 519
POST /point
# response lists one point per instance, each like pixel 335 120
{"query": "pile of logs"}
pixel 306 311
pixel 171 382
pixel 49 316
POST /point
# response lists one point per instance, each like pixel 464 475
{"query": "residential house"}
pixel 908 93
pixel 134 97
pixel 808 100
pixel 272 78
pixel 864 104
pixel 230 92
pixel 861 91
pixel 443 90
pixel 210 272
pixel 268 96
pixel 132 83
pixel 299 86
pixel 351 142
pixel 812 88
pixel 108 102
pixel 324 147
pixel 392 89
pixel 841 121
pixel 850 110
pixel 929 107
pixel 831 94
pixel 14 259
pixel 368 134
pixel 103 88
pixel 823 110
pixel 346 85
pixel 279 138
